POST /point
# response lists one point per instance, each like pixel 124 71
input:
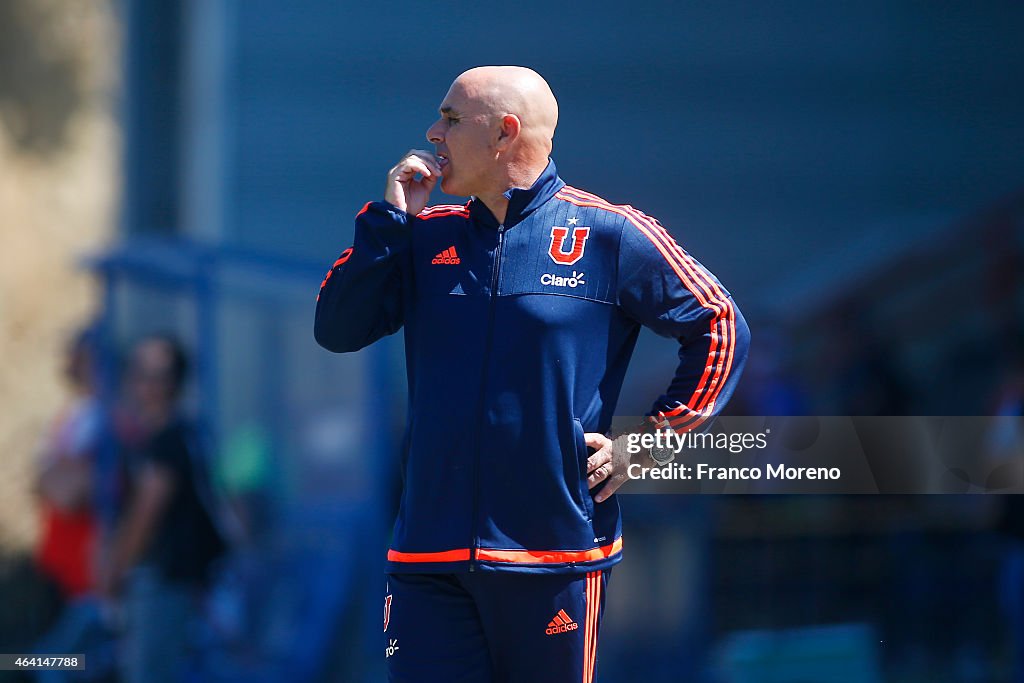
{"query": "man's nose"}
pixel 434 133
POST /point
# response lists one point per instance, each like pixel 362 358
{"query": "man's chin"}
pixel 448 186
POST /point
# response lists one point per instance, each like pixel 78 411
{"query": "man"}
pixel 521 309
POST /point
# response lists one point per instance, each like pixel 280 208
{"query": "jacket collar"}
pixel 521 203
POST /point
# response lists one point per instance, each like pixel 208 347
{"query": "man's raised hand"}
pixel 403 190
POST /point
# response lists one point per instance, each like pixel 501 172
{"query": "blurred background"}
pixel 853 172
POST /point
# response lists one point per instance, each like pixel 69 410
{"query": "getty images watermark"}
pixel 829 455
pixel 666 441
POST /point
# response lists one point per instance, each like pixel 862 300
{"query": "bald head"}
pixel 494 132
pixel 516 90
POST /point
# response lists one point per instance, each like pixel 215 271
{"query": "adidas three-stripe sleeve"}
pixel 662 287
pixel 360 299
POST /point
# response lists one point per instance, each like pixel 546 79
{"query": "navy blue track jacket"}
pixel 517 338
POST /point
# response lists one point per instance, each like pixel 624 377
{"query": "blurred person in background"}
pixel 65 478
pixel 65 486
pixel 166 539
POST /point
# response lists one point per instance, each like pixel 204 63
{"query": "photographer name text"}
pixel 705 472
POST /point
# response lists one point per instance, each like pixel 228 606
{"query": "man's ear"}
pixel 509 129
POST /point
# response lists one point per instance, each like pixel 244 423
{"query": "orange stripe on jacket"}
pixel 653 231
pixel 458 555
pixel 700 285
pixel 427 217
pixel 712 396
pixel 444 207
pixel 716 297
pixel 345 255
pixel 549 556
pixel 722 371
pixel 718 381
pixel 702 293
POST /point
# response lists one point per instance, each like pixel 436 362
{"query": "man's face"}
pixel 463 138
pixel 151 378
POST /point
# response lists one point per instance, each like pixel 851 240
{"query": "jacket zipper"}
pixel 495 275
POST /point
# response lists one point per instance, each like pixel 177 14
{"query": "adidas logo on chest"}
pixel 448 257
